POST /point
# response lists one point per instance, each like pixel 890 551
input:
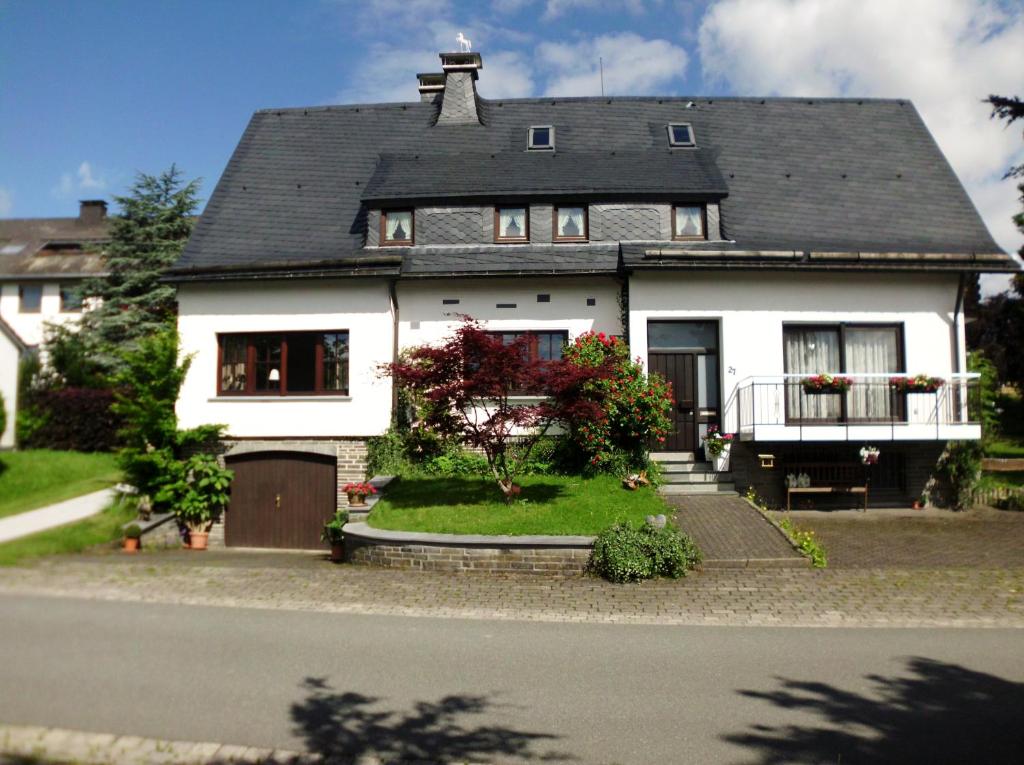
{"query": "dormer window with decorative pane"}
pixel 541 138
pixel 511 224
pixel 681 134
pixel 396 227
pixel 570 224
pixel 688 222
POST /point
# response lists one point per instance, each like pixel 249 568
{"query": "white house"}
pixel 43 261
pixel 740 245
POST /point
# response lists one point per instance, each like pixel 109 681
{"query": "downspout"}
pixel 393 298
pixel 957 309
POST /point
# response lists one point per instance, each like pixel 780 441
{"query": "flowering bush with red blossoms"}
pixel 635 406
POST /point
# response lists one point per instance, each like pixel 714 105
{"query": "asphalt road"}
pixel 500 691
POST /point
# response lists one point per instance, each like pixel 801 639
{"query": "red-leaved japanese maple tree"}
pixel 468 386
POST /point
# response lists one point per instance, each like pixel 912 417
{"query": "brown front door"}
pixel 681 371
pixel 280 499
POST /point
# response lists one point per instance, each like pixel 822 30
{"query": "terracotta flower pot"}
pixel 131 544
pixel 337 552
pixel 356 500
pixel 198 540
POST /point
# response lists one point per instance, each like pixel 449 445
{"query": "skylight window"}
pixel 681 134
pixel 541 138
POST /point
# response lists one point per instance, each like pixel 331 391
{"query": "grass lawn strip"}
pixel 556 505
pixel 75 537
pixel 40 477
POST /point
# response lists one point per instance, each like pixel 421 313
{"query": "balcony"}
pixel 777 408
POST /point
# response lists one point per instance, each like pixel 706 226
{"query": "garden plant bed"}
pixel 549 505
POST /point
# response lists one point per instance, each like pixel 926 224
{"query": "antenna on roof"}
pixel 464 45
pixel 600 63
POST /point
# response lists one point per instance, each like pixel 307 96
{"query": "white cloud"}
pixel 6 202
pixel 944 55
pixel 555 8
pixel 633 65
pixel 83 179
pixel 506 74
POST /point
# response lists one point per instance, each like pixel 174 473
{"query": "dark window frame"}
pixel 534 335
pixel 282 390
pixel 555 237
pixel 21 298
pixel 73 307
pixel 498 239
pixel 898 400
pixel 384 241
pixel 703 223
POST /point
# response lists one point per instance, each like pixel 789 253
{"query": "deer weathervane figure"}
pixel 464 45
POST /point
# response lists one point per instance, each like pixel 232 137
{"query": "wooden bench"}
pixel 832 478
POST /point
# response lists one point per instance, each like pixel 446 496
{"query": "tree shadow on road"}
pixel 937 713
pixel 349 725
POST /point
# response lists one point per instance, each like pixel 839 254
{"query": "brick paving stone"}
pixel 729 529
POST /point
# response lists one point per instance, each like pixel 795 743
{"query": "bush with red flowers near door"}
pixel 635 406
pixel 466 389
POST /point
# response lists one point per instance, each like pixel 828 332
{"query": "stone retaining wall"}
pixel 456 552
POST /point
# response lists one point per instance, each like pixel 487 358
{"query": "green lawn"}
pixel 565 505
pixel 1010 441
pixel 75 537
pixel 994 479
pixel 35 478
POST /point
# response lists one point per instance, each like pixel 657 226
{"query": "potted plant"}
pixel 717 446
pixel 869 455
pixel 917 384
pixel 333 536
pixel 358 492
pixel 132 535
pixel 825 383
pixel 198 492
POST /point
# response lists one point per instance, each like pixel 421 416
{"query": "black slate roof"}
pixel 677 174
pixel 832 175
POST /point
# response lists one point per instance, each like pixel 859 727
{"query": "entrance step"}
pixel 673 468
pixel 705 476
pixel 672 456
pixel 718 489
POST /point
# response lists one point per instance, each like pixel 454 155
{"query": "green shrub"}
pixel 807 543
pixel 332 533
pixel 387 454
pixel 196 490
pixel 625 553
pixel 959 470
pixel 1012 502
pixel 134 531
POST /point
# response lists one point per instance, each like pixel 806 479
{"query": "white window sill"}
pixel 280 399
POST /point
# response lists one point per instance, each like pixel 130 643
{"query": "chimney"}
pixel 92 211
pixel 431 86
pixel 458 102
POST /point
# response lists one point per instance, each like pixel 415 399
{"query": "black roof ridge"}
pixel 698 100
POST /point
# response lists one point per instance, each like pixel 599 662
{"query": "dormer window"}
pixel 541 138
pixel 396 227
pixel 681 134
pixel 688 222
pixel 570 224
pixel 511 224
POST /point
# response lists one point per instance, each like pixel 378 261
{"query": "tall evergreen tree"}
pixel 147 236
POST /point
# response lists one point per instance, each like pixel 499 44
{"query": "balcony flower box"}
pixel 917 384
pixel 826 384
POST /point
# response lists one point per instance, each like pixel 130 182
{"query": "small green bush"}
pixel 133 531
pixel 332 533
pixel 625 553
pixel 1012 502
pixel 806 542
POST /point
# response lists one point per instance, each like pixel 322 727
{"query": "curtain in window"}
pixel 570 222
pixel 689 221
pixel 232 370
pixel 512 223
pixel 335 346
pixel 398 226
pixel 871 351
pixel 809 352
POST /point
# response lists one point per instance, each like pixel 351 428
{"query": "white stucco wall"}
pixel 9 355
pixel 424 318
pixel 752 309
pixel 29 326
pixel 360 306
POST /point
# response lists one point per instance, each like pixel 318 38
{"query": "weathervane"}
pixel 464 45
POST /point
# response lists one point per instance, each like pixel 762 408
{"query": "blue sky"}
pixel 92 91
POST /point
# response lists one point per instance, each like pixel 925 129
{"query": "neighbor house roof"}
pixel 49 248
pixel 793 175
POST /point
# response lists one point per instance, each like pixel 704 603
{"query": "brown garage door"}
pixel 280 499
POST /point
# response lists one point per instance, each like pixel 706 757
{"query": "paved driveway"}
pixel 924 539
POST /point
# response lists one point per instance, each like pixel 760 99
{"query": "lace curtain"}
pixel 570 222
pixel 689 221
pixel 871 351
pixel 512 223
pixel 398 226
pixel 809 352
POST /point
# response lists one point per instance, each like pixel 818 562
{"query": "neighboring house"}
pixel 11 350
pixel 43 262
pixel 739 244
